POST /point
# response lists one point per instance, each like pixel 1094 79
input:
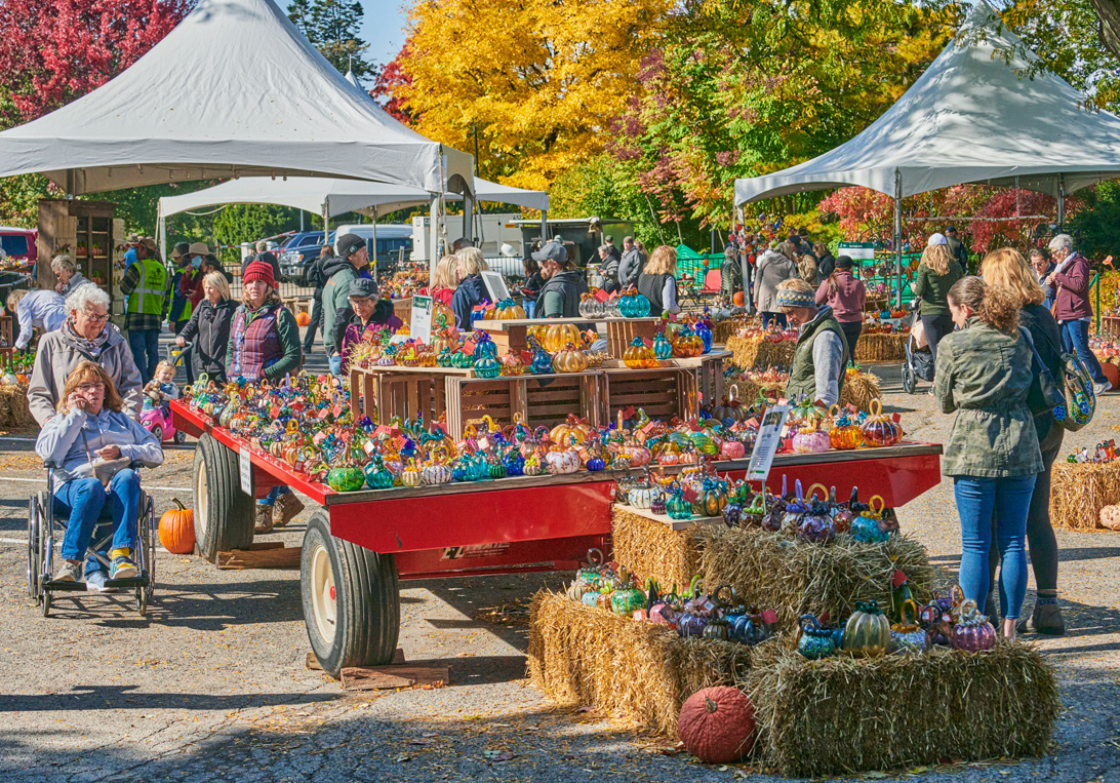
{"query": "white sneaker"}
pixel 95 583
pixel 1101 388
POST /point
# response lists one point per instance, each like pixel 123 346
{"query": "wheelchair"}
pixel 44 534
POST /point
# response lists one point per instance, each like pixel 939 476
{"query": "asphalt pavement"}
pixel 212 685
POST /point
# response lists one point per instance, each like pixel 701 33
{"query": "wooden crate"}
pixel 1110 326
pixel 662 394
pixel 400 392
pixel 402 308
pixel 621 332
pixel 540 400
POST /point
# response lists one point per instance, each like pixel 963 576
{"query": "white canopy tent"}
pixel 972 117
pixel 330 197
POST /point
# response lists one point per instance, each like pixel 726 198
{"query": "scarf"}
pixel 91 348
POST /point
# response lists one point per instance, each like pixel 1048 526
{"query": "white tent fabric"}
pixel 335 196
pixel 234 90
pixel 969 118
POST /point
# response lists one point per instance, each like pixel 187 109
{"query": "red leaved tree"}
pixel 53 51
pixel 389 79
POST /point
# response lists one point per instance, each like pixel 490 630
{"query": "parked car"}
pixel 19 244
pixel 298 251
pixel 394 242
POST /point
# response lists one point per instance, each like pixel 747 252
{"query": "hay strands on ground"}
pixel 844 715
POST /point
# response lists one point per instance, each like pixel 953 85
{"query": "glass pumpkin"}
pixel 627 600
pixel 662 348
pixel 879 430
pixel 867 633
pixel 867 528
pixel 816 642
pixel 508 310
pixel 569 360
pixel 345 479
pixel 676 506
pixel 687 344
pixel 487 366
pixel 703 330
pixel 844 434
pixel 512 364
pixel 639 356
pixel 559 336
pixel 484 346
pixel 972 632
pixel 542 362
pixel 633 305
pixel 907 635
pixel 811 441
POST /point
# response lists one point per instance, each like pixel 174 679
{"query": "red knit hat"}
pixel 259 270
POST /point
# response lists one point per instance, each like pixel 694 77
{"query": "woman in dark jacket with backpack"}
pixel 1007 269
pixel 208 329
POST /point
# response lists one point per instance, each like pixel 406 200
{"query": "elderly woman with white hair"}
pixel 1072 308
pixel 69 278
pixel 86 335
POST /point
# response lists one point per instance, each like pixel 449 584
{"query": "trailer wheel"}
pixel 223 514
pixel 351 600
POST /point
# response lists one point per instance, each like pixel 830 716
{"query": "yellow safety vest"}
pixel 147 297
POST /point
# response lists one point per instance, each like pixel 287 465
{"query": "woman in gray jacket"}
pixel 87 335
pixel 774 268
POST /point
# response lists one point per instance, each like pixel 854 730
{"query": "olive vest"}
pixel 802 375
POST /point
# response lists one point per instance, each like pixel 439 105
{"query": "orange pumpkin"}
pixel 717 725
pixel 176 530
pixel 303 319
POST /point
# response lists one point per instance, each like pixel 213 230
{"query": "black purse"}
pixel 1044 395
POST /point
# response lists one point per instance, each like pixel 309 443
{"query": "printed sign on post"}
pixel 421 326
pixel 768 441
pixel 858 251
pixel 246 465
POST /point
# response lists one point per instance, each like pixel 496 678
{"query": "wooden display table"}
pixel 620 331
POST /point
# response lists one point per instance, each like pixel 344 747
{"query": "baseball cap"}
pixel 552 250
pixel 349 244
pixel 608 239
pixel 363 287
pixel 937 239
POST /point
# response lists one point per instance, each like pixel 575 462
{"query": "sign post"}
pixel 767 443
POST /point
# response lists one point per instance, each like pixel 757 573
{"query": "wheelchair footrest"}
pixel 80 586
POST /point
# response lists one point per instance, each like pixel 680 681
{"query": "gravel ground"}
pixel 212 685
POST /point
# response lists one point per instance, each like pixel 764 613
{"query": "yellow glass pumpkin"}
pixel 639 356
pixel 571 433
pixel 508 310
pixel 559 336
pixel 569 360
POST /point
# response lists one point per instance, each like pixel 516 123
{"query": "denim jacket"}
pixel 985 375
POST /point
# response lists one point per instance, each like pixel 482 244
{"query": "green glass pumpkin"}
pixel 445 358
pixel 662 348
pixel 377 475
pixel 487 366
pixel 461 360
pixel 346 479
pixel 627 600
pixel 868 631
pixel 677 507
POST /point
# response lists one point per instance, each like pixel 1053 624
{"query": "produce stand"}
pixel 360 543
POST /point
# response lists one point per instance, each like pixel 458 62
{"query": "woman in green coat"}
pixel 937 273
pixel 984 374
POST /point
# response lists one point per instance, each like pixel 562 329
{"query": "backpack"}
pixel 1077 403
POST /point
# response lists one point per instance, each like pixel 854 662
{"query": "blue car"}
pixel 299 251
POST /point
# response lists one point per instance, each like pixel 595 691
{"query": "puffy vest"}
pixel 802 373
pixel 256 344
pixel 148 295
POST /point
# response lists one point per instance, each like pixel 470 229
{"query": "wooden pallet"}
pixel 540 400
pixel 662 394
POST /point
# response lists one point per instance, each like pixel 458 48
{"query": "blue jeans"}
pixel 84 502
pixel 1009 499
pixel 145 350
pixel 530 307
pixel 336 365
pixel 274 494
pixel 1075 337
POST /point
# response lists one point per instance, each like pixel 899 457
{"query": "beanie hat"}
pixel 791 297
pixel 259 270
pixel 349 244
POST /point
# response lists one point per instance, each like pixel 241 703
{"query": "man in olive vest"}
pixel 145 284
pixel 821 354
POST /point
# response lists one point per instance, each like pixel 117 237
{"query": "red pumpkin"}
pixel 717 725
pixel 176 530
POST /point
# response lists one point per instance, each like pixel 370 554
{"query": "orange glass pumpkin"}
pixel 560 336
pixel 571 433
pixel 512 364
pixel 176 530
pixel 303 319
pixel 639 356
pixel 508 310
pixel 569 360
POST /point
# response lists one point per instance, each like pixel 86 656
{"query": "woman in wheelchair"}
pixel 93 442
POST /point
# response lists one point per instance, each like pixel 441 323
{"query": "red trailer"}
pixel 360 544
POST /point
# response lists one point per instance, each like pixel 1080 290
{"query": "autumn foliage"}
pixel 52 51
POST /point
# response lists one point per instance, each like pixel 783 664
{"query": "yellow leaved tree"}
pixel 538 81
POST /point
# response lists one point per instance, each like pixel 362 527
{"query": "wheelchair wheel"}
pixel 142 600
pixel 45 604
pixel 148 538
pixel 33 559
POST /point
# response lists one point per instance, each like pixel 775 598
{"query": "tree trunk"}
pixel 1108 11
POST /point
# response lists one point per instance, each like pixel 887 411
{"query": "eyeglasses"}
pixel 97 319
pixel 86 388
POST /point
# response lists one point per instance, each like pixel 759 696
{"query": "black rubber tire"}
pixel 45 604
pixel 33 561
pixel 909 381
pixel 367 601
pixel 158 432
pixel 180 437
pixel 223 515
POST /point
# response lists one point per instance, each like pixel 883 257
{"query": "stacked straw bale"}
pixel 639 672
pixel 1079 490
pixel 650 550
pixel 751 352
pixel 14 411
pixel 844 715
pixel 881 348
pixel 859 390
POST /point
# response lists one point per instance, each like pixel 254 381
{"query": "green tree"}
pixel 239 223
pixel 332 26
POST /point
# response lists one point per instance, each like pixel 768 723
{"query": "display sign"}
pixel 858 251
pixel 420 326
pixel 246 465
pixel 495 286
pixel 767 443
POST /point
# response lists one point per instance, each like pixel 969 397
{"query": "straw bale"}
pixel 722 331
pixel 650 550
pixel 1079 490
pixel 843 715
pixel 881 348
pixel 639 672
pixel 14 410
pixel 859 390
pixel 775 571
pixel 750 352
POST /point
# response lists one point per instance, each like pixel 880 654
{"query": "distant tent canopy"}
pixel 234 90
pixel 970 118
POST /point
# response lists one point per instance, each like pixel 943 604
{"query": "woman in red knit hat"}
pixel 264 344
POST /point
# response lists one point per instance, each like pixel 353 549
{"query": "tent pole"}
pixel 1061 202
pixel 745 268
pixel 544 226
pixel 468 210
pixel 327 220
pixel 375 244
pixel 898 235
pixel 433 241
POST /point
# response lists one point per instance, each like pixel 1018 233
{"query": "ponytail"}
pixel 996 306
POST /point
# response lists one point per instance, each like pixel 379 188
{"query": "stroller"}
pixel 919 358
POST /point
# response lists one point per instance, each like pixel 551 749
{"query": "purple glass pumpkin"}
pixel 973 633
pixel 816 527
